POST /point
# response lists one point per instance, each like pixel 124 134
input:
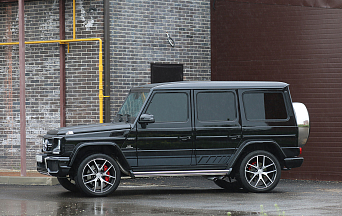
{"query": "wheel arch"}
pixel 82 150
pixel 254 145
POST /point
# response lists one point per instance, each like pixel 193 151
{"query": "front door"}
pixel 168 141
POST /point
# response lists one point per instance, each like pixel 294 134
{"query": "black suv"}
pixel 243 132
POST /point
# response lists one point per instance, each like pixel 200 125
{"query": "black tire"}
pixel 226 185
pixel 68 184
pixel 259 171
pixel 98 175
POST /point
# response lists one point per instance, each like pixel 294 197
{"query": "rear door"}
pixel 217 127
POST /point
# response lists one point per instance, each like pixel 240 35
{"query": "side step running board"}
pixel 183 173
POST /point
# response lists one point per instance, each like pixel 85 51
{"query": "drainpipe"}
pixel 74 19
pixel 62 63
pixel 106 60
pixel 22 88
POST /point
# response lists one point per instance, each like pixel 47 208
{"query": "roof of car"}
pixel 215 85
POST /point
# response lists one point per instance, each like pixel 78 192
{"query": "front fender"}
pixel 114 150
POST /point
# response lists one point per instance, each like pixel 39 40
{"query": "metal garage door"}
pixel 300 44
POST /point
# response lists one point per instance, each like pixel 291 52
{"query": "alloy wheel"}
pixel 260 171
pixel 98 175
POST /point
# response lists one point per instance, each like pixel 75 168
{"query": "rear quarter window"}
pixel 264 106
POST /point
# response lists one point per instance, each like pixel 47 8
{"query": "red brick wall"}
pixel 300 45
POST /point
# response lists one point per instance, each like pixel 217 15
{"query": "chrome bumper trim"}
pixel 63 159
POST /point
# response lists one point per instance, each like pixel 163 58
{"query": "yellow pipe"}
pixel 100 63
pixel 77 40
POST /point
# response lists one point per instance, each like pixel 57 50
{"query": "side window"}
pixel 264 106
pixel 169 107
pixel 216 106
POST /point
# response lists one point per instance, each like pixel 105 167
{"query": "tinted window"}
pixel 264 106
pixel 216 106
pixel 169 107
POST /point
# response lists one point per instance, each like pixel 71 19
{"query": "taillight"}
pixel 300 151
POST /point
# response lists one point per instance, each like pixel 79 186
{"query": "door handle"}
pixel 234 137
pixel 185 138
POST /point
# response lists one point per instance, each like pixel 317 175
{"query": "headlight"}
pixel 52 145
pixel 47 145
pixel 45 142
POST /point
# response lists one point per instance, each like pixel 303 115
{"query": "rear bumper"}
pixel 54 166
pixel 293 162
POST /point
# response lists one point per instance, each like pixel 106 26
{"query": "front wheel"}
pixel 259 171
pixel 228 184
pixel 98 175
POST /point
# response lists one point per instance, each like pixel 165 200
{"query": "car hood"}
pixel 90 128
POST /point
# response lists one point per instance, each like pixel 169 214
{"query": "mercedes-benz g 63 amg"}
pixel 246 132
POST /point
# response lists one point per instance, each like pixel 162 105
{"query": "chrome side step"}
pixel 183 173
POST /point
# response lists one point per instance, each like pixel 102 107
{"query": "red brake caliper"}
pixel 105 168
pixel 250 167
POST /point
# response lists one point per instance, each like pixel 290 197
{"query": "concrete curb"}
pixel 19 180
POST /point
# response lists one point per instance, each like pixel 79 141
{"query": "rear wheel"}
pixel 98 175
pixel 259 171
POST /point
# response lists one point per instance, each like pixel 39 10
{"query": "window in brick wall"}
pixel 166 73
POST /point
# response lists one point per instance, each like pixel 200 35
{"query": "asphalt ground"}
pixel 175 196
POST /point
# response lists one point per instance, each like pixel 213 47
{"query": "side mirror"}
pixel 146 118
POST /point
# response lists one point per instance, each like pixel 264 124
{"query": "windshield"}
pixel 131 107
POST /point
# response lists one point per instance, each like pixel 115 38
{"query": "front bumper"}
pixel 51 165
pixel 293 162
